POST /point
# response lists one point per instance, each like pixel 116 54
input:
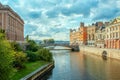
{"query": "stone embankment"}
pixel 39 72
pixel 111 53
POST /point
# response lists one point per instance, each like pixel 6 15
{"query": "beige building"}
pixel 11 22
pixel 100 37
pixel 112 39
pixel 91 35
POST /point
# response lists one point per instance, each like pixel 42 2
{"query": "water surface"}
pixel 78 66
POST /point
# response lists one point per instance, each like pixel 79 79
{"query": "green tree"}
pixel 31 56
pixel 6 58
pixel 44 54
pixel 20 59
pixel 27 38
pixel 32 46
pixel 16 46
pixel 48 41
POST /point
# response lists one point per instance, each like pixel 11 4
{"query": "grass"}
pixel 30 67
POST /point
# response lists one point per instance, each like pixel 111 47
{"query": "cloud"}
pixel 106 10
pixel 78 7
pixel 54 18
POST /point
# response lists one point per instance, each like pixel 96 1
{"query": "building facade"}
pixel 11 22
pixel 74 37
pixel 112 39
pixel 100 37
pixel 91 35
pixel 78 36
pixel 83 34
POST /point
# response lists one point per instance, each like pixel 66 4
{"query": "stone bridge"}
pixel 67 46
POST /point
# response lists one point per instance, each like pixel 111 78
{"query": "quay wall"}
pixel 111 53
pixel 39 73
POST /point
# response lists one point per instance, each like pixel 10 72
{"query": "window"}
pixel 116 34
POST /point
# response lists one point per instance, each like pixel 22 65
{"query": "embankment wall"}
pixel 112 53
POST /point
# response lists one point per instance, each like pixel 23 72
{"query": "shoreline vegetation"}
pixel 16 60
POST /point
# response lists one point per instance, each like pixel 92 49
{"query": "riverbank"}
pixel 111 53
pixel 30 67
pixel 40 72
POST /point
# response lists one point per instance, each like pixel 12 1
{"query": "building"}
pixel 100 37
pixel 12 23
pixel 83 34
pixel 112 39
pixel 74 37
pixel 91 35
pixel 78 36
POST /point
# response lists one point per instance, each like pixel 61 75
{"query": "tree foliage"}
pixel 16 46
pixel 20 59
pixel 44 54
pixel 48 41
pixel 6 57
pixel 32 46
pixel 31 56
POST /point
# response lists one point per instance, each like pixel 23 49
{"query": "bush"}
pixel 32 46
pixel 16 46
pixel 31 56
pixel 44 54
pixel 20 58
pixel 6 58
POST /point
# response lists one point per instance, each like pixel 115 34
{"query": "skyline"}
pixel 53 19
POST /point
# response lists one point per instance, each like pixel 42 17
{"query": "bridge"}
pixel 64 47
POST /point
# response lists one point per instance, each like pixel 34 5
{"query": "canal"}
pixel 78 66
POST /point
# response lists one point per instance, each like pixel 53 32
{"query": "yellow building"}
pixel 74 37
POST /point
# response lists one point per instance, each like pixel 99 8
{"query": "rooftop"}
pixel 7 7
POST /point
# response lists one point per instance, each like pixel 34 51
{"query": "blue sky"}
pixel 53 18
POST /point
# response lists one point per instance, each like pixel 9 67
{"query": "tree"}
pixel 27 38
pixel 48 41
pixel 16 46
pixel 44 54
pixel 32 46
pixel 6 58
pixel 19 60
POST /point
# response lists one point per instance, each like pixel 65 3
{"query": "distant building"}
pixel 12 23
pixel 112 39
pixel 78 36
pixel 83 34
pixel 91 35
pixel 74 37
pixel 100 37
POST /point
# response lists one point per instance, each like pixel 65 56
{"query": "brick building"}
pixel 83 34
pixel 11 22
pixel 78 36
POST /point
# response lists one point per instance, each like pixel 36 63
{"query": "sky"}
pixel 54 18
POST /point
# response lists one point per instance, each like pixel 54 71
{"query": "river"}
pixel 78 66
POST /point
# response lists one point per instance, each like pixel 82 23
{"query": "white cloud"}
pixel 64 14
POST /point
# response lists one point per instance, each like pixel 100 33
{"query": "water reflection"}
pixel 78 66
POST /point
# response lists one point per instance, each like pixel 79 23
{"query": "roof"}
pixel 7 7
